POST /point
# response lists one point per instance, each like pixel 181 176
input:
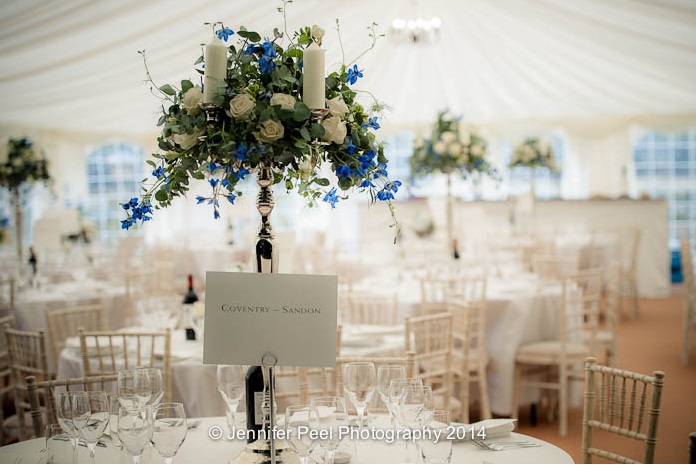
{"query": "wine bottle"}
pixel 455 249
pixel 254 402
pixel 190 298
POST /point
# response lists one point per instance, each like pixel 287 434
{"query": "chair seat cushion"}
pixel 550 352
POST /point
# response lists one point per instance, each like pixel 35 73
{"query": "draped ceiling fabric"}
pixel 591 68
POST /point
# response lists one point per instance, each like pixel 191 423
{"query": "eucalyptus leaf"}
pixel 322 181
pixel 250 35
pixel 167 89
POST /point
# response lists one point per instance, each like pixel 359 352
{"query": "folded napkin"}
pixel 487 429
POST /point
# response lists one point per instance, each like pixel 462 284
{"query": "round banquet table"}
pixel 200 448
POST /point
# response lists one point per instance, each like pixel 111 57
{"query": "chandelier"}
pixel 416 30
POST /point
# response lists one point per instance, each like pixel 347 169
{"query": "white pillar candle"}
pixel 215 70
pixel 313 80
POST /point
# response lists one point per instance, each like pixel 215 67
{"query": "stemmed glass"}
pixel 156 386
pixel 91 417
pixel 385 375
pixel 134 389
pixel 437 448
pixel 327 418
pixel 135 429
pixel 396 391
pixel 359 382
pixel 297 424
pixel 65 416
pixel 230 381
pixel 415 409
pixel 169 429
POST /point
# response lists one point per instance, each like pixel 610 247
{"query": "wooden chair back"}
pixel 62 323
pixel 108 352
pixel 623 403
pixel 47 390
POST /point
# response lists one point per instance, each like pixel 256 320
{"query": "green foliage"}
pixel 23 164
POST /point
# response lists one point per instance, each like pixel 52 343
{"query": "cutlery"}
pixel 194 423
pixel 498 446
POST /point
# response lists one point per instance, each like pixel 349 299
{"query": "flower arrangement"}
pixel 452 148
pixel 534 153
pixel 258 113
pixel 4 224
pixel 20 163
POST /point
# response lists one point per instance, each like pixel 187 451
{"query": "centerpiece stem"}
pixel 266 252
pixel 448 211
pixel 16 199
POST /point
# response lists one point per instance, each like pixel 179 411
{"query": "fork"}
pixel 498 446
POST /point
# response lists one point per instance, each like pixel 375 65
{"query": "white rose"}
pixel 241 106
pixel 335 130
pixel 317 32
pixel 456 148
pixel 305 169
pixel 337 107
pixel 17 162
pixel 477 150
pixel 465 137
pixel 192 99
pixel 440 148
pixel 448 136
pixel 186 141
pixel 270 131
pixel 286 101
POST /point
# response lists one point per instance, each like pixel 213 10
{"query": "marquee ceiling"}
pixel 72 65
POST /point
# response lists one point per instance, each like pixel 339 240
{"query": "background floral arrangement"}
pixel 263 120
pixel 21 163
pixel 452 148
pixel 4 224
pixel 534 153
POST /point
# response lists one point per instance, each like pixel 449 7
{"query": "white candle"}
pixel 215 70
pixel 313 80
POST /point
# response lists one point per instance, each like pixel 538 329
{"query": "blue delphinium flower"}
pixel 4 222
pixel 331 197
pixel 387 192
pixel 353 74
pixel 250 49
pixel 200 199
pixel 212 167
pixel 159 172
pixel 213 182
pixel 266 64
pixel 132 203
pixel 269 49
pixel 350 146
pixel 372 123
pixel 343 171
pixel 231 198
pixel 224 33
pixel 241 153
pixel 367 183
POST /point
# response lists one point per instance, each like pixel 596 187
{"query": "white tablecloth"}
pixel 200 448
pixel 31 304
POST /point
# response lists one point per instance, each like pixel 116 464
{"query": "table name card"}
pixel 290 316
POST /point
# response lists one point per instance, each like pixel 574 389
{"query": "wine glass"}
pixel 396 391
pixel 297 424
pixel 114 406
pixel 230 381
pixel 415 410
pixel 156 386
pixel 327 417
pixel 359 382
pixel 385 375
pixel 64 415
pixel 91 416
pixel 135 429
pixel 142 389
pixel 134 388
pixel 169 429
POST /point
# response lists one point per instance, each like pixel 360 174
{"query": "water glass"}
pixel 359 383
pixel 135 430
pixel 297 426
pixel 437 448
pixel 64 415
pixel 328 417
pixel 230 382
pixel 385 375
pixel 58 446
pixel 169 429
pixel 97 414
pixel 114 406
